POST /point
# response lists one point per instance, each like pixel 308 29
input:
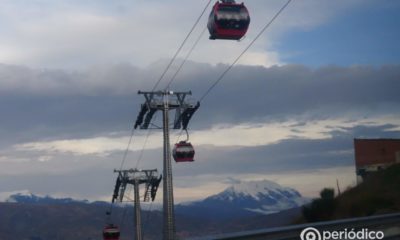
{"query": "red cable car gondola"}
pixel 111 232
pixel 183 152
pixel 228 20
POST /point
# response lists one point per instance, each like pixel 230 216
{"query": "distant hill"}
pixel 242 206
pixel 26 221
pixel 379 193
pixel 32 198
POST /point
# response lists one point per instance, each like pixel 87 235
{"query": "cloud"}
pixel 70 73
pixel 241 135
pixel 57 105
pixel 99 146
pixel 93 81
pixel 308 182
pixel 231 180
pixel 72 34
pixel 305 164
pixel 5 195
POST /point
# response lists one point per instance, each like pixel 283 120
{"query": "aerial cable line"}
pixel 245 50
pixel 171 80
pixel 125 208
pixel 180 67
pixel 165 71
pixel 184 61
pixel 186 58
pixel 155 86
pixel 181 46
pixel 144 146
pixel 179 136
pixel 137 164
pixel 127 149
pixel 122 164
pixel 142 150
pixel 176 73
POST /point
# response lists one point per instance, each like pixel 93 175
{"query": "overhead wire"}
pixel 181 46
pixel 173 78
pixel 218 79
pixel 244 51
pixel 123 162
pixel 179 135
pixel 186 58
pixel 180 67
pixel 169 83
pixel 127 149
pixel 182 64
pixel 143 147
pixel 125 209
pixel 165 71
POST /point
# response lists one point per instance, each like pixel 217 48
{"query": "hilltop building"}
pixel 375 154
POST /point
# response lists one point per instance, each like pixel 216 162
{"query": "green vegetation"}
pixel 321 209
pixel 378 194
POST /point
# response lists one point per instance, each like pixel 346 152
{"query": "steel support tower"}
pixel 136 177
pixel 166 101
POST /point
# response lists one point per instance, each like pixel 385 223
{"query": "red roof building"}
pixel 375 154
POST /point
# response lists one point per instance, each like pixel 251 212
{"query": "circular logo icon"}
pixel 310 234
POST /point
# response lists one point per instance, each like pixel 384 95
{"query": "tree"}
pixel 321 209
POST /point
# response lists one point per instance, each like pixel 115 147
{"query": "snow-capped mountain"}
pixel 247 198
pixel 261 196
pixel 241 199
pixel 27 197
pixel 30 198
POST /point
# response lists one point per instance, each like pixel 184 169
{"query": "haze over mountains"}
pixel 240 199
pixel 242 206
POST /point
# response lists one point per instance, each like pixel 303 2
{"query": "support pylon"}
pixel 168 194
pixel 137 215
pixel 136 177
pixel 166 101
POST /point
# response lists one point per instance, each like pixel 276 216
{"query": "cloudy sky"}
pixel 324 73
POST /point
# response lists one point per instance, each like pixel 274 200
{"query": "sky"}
pixel 324 73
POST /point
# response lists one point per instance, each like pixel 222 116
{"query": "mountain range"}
pixel 242 206
pixel 244 199
pixel 31 198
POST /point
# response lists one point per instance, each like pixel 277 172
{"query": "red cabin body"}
pixel 111 232
pixel 228 20
pixel 183 152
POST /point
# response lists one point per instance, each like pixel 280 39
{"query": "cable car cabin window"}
pixel 184 154
pixel 187 153
pixel 110 235
pixel 184 149
pixel 232 17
